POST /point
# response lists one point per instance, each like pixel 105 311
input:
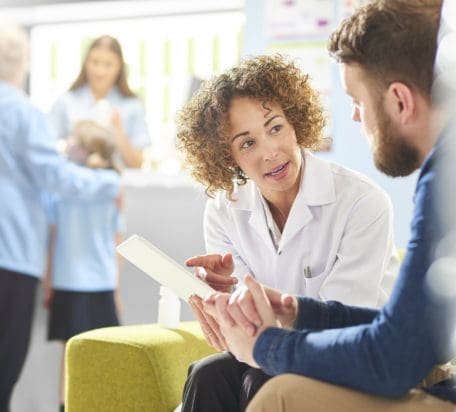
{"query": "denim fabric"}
pixel 386 352
pixel 314 314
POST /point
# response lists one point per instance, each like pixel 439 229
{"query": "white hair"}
pixel 14 49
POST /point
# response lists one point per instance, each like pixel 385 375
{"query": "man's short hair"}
pixel 392 40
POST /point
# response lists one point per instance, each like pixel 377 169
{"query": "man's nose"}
pixel 355 114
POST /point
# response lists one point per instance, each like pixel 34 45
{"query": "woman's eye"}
pixel 246 144
pixel 276 129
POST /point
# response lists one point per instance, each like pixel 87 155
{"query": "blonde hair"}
pixel 98 143
pixel 14 49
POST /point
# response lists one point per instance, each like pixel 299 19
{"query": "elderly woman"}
pixel 295 222
pixel 29 165
pixel 101 93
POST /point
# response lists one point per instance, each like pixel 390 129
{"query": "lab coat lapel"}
pixel 249 201
pixel 258 223
pixel 317 188
pixel 300 215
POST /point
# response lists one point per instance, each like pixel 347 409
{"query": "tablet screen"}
pixel 162 268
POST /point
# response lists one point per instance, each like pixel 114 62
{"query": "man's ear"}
pixel 400 102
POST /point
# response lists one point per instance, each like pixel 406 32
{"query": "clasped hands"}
pixel 233 321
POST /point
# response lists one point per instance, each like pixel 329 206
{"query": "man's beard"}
pixel 393 155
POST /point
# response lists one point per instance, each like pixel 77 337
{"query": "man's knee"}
pixel 290 392
pixel 275 393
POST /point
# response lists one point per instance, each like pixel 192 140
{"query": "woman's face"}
pixel 102 68
pixel 264 146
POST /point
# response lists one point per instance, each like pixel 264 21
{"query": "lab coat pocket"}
pixel 313 285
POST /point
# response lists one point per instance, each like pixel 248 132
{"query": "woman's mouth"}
pixel 279 171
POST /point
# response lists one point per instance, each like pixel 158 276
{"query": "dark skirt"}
pixel 75 312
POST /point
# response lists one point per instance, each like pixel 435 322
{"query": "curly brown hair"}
pixel 203 123
pixel 393 40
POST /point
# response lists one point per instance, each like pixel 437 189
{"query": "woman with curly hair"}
pixel 295 222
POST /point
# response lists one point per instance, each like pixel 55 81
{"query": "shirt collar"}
pixel 444 139
pixel 317 185
pixel 316 188
pixel 112 96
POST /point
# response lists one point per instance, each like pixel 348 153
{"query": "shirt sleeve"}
pixel 51 171
pixel 120 224
pixel 314 314
pixel 50 206
pixel 387 356
pixel 137 129
pixel 216 236
pixel 366 254
pixel 58 119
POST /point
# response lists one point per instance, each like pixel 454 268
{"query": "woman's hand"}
pixel 131 156
pixel 48 294
pixel 116 121
pixel 118 301
pixel 244 315
pixel 239 341
pixel 241 309
pixel 215 270
pixel 209 325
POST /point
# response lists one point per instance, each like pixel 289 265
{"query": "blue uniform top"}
pixel 84 258
pixel 30 164
pixel 80 104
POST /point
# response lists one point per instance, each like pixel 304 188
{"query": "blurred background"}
pixel 170 46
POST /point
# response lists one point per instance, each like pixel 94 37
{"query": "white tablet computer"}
pixel 162 268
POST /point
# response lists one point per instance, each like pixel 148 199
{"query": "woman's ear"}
pixel 240 175
pixel 232 163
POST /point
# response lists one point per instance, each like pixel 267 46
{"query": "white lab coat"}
pixel 339 229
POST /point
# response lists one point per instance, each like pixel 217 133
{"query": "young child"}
pixel 81 283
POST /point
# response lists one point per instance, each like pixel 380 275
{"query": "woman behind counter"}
pixel 101 93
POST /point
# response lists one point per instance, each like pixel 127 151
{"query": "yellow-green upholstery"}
pixel 131 368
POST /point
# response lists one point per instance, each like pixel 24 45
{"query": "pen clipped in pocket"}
pixel 307 272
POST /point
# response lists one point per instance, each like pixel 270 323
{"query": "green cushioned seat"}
pixel 131 368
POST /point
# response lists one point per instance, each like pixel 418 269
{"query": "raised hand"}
pixel 215 270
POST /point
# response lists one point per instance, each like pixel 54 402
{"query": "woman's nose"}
pixel 271 149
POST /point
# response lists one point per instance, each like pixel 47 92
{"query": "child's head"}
pixel 92 145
